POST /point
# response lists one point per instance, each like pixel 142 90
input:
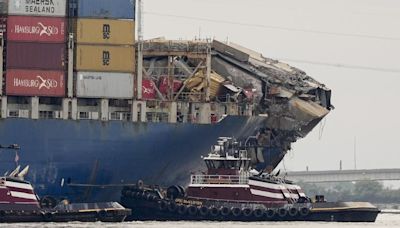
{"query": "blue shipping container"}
pixel 123 9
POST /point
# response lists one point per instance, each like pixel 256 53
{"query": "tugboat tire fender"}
pixel 138 195
pixel 293 212
pixel 304 211
pixel 172 206
pixel 182 209
pixel 258 213
pixel 2 214
pixel 162 205
pixel 203 211
pixel 101 215
pixel 236 212
pixel 225 211
pixel 270 213
pixel 247 212
pixel 192 210
pixel 282 212
pixel 148 197
pixel 47 216
pixel 214 211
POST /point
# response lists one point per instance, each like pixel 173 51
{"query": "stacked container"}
pixel 104 54
pixel 36 48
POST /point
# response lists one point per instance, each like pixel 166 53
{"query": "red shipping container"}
pixel 36 29
pixel 163 86
pixel 35 83
pixel 42 56
pixel 148 91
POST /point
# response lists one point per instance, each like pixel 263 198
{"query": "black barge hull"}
pixel 85 212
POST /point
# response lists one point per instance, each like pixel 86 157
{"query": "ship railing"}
pixel 219 179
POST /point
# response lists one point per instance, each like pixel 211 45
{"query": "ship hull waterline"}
pixel 91 160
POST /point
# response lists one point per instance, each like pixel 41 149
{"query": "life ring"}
pixel 247 212
pixel 258 213
pixel 214 211
pixel 225 211
pixel 293 212
pixel 47 216
pixel 282 212
pixel 270 213
pixel 182 209
pixel 101 215
pixel 172 207
pixel 203 211
pixel 192 210
pixel 162 205
pixel 139 184
pixel 236 212
pixel 304 211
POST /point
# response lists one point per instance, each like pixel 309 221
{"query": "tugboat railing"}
pixel 219 179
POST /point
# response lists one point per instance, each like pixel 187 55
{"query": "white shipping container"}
pixel 104 85
pixel 55 8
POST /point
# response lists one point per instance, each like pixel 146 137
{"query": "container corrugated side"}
pixel 44 56
pixel 104 85
pixel 35 83
pixel 105 58
pixel 51 8
pixel 3 7
pixel 124 9
pixel 36 29
pixel 105 31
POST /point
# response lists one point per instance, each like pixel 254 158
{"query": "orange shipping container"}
pixel 105 31
pixel 105 58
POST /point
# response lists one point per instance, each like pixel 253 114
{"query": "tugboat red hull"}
pixel 146 205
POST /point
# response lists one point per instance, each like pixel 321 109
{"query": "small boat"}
pixel 19 203
pixel 231 190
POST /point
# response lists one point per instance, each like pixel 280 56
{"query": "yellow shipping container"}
pixel 105 58
pixel 105 31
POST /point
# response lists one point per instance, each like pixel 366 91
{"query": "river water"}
pixel 383 220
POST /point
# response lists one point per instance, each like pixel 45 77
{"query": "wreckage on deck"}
pixel 292 102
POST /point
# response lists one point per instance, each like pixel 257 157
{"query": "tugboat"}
pixel 231 190
pixel 19 203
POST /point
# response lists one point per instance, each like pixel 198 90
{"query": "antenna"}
pixel 140 49
pixel 355 152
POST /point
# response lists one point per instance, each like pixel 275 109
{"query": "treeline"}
pixel 370 191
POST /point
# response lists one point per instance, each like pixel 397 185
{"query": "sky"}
pixel 362 37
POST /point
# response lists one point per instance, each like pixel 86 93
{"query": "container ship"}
pixel 93 109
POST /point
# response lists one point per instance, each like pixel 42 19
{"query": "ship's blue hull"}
pixel 89 160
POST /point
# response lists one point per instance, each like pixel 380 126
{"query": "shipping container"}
pixel 52 8
pixel 105 31
pixel 36 29
pixel 3 25
pixel 163 85
pixel 45 56
pixel 3 7
pixel 35 83
pixel 124 9
pixel 105 58
pixel 104 85
pixel 148 91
